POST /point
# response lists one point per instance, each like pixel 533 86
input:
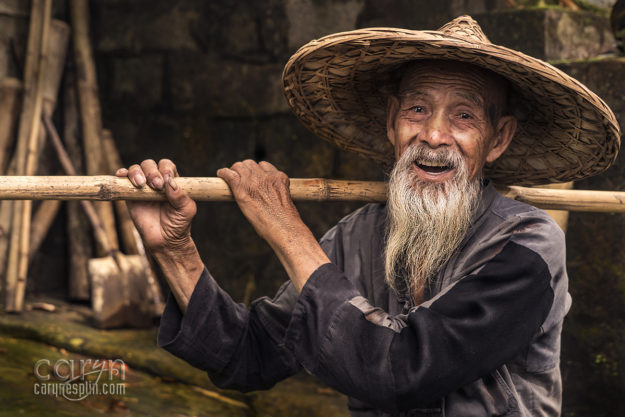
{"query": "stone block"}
pixel 138 81
pixel 549 34
pixel 310 19
pixel 249 31
pixel 226 88
pixel 143 25
pixel 422 14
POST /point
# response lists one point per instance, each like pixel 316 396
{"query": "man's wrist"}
pixel 182 267
pixel 181 246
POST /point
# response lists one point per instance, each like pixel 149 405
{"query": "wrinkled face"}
pixel 449 109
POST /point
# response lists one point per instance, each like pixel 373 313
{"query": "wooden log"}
pixel 90 111
pixel 10 93
pixel 29 120
pixel 80 245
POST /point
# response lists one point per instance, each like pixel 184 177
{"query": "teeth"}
pixel 432 164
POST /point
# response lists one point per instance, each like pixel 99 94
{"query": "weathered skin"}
pixel 442 104
pixel 450 105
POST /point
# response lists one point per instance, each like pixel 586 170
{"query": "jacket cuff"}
pixel 323 295
pixel 198 335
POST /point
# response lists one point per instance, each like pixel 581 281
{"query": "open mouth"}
pixel 433 167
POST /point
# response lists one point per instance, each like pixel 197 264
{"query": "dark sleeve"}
pixel 239 348
pixel 480 323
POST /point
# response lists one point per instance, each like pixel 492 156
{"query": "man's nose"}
pixel 437 131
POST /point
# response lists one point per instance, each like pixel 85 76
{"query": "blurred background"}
pixel 199 82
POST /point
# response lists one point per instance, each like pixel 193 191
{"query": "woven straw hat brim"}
pixel 565 131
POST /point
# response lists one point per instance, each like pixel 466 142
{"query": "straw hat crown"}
pixel 335 86
pixel 465 28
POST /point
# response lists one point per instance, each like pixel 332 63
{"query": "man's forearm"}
pixel 182 268
pixel 299 252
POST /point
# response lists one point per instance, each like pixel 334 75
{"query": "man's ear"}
pixel 504 132
pixel 392 106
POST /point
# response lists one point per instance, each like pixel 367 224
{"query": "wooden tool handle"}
pixel 107 187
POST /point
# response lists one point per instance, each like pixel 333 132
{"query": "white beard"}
pixel 427 221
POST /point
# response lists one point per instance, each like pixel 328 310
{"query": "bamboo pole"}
pixel 58 43
pixel 53 71
pixel 110 188
pixel 10 94
pixel 32 155
pixel 80 245
pixel 66 163
pixel 39 23
pixel 10 91
pixel 126 225
pixel 572 200
pixel 90 111
pixel 6 217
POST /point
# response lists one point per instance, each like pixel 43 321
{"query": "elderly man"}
pixel 449 299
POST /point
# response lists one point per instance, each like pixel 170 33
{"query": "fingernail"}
pixel 173 184
pixel 140 180
pixel 158 182
pixel 166 177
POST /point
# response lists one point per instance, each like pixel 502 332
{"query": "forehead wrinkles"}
pixel 435 74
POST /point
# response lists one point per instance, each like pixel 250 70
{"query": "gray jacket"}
pixel 485 343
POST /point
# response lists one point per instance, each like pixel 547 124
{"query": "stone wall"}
pixel 594 336
pixel 200 83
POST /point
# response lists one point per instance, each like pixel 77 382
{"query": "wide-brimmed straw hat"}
pixel 335 86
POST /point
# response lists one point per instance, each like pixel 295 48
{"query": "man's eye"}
pixel 465 115
pixel 417 109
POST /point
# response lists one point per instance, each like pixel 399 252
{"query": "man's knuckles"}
pixel 136 175
pixel 165 163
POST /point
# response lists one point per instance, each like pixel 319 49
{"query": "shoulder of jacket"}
pixel 367 217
